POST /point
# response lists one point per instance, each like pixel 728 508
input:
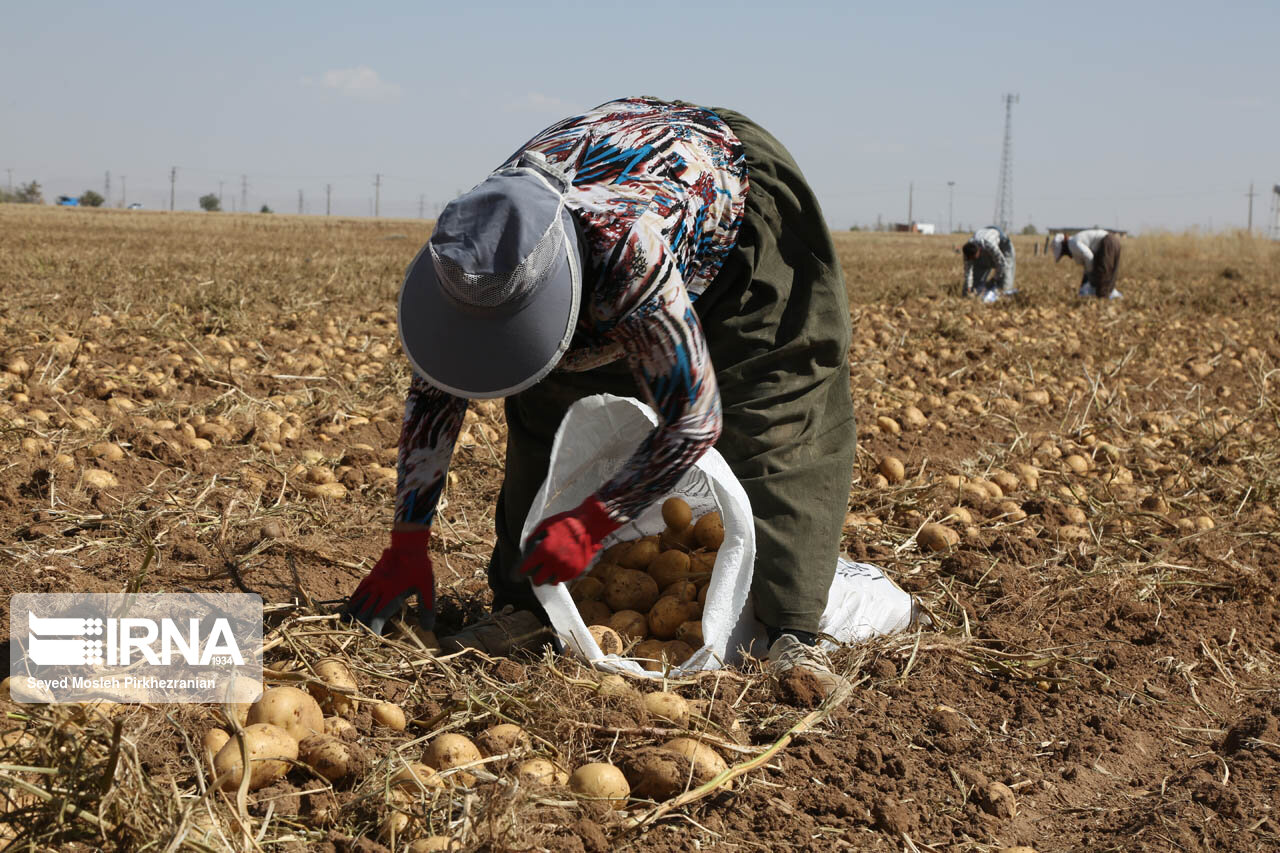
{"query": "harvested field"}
pixel 213 402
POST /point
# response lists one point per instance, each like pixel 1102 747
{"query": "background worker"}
pixel 645 248
pixel 989 263
pixel 1098 252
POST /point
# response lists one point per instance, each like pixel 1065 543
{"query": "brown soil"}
pixel 1115 691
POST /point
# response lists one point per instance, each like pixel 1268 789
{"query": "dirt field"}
pixel 1104 668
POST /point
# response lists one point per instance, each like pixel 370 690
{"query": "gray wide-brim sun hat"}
pixel 490 303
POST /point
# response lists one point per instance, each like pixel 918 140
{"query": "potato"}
pixel 676 652
pixel 683 590
pixel 607 639
pixel 291 709
pixel 503 738
pixel 631 590
pixel 614 552
pixel 431 844
pixel 702 564
pixel 326 755
pixel 595 613
pixel 601 782
pixel 1007 482
pixel 639 555
pixel 339 728
pixel 668 706
pixel 1076 464
pixel 656 773
pixel 603 570
pixel 415 777
pixel 673 540
pixel 335 674
pixel 709 531
pixel 707 763
pixel 630 624
pixel 676 514
pixel 389 715
pixel 936 537
pixel 270 750
pixel 960 514
pixel 892 469
pixel 649 654
pixel 540 772
pixel 587 589
pixel 214 740
pixel 690 632
pixel 614 685
pixel 666 615
pixel 396 823
pixel 451 750
pixel 702 593
pixel 669 567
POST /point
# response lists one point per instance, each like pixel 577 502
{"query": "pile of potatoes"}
pixel 643 598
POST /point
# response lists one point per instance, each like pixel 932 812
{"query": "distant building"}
pixel 914 227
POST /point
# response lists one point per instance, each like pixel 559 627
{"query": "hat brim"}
pixel 477 354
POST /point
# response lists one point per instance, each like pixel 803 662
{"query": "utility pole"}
pixel 377 196
pixel 951 208
pixel 328 194
pixel 173 178
pixel 10 171
pixel 422 200
pixel 220 183
pixel 1251 194
pixel 244 193
pixel 911 194
pixel 299 202
pixel 124 190
pixel 106 190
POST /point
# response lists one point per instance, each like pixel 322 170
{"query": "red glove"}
pixel 562 545
pixel 402 570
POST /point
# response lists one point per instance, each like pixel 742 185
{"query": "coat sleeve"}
pixel 666 350
pixel 432 422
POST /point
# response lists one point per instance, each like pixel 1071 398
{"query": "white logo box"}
pixel 152 648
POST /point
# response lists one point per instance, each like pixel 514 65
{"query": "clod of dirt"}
pixel 800 687
pixel 592 836
pixel 996 798
pixel 890 815
pixel 655 773
pixel 946 720
pixel 1252 727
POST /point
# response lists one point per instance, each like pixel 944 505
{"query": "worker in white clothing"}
pixel 1098 252
pixel 989 263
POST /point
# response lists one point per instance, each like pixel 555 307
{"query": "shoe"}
pixel 500 633
pixel 990 296
pixel 787 654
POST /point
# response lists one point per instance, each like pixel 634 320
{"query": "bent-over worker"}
pixel 646 248
pixel 989 264
pixel 1098 253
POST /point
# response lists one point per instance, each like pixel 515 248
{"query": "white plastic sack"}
pixel 596 438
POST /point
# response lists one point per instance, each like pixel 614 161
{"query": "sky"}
pixel 1130 115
